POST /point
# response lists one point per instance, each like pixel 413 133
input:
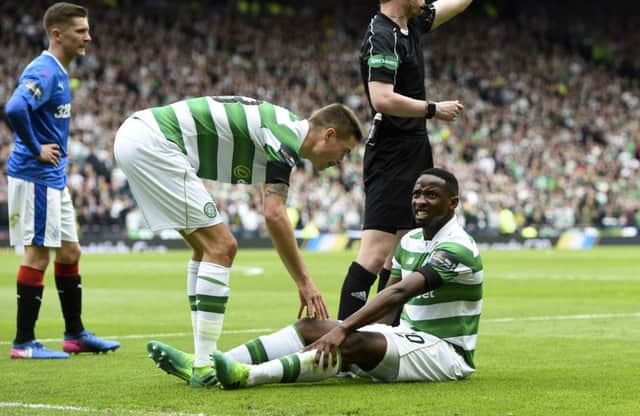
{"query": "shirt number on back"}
pixel 64 111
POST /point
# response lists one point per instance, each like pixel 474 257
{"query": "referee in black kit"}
pixel 392 67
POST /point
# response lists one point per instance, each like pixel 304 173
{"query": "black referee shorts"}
pixel 391 168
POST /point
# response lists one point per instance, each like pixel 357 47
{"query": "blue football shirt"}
pixel 44 85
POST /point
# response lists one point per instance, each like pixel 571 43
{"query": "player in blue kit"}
pixel 41 213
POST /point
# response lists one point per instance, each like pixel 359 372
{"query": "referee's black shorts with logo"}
pixel 391 168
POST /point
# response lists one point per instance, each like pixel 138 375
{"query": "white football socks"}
pixel 268 347
pixel 292 368
pixel 212 293
pixel 192 277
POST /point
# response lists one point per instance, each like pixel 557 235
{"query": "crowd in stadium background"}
pixel 549 137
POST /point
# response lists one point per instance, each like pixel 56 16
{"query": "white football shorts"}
pixel 416 356
pixel 40 216
pixel 164 184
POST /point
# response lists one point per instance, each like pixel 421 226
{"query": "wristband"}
pixel 431 109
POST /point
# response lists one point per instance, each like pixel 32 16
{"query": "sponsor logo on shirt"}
pixel 387 61
pixel 34 88
pixel 427 295
pixel 242 173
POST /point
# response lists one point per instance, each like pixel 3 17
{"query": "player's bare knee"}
pixel 38 263
pixel 36 258
pixel 229 246
pixel 310 329
pixel 196 254
pixel 223 249
pixel 232 247
pixel 68 254
pixel 372 262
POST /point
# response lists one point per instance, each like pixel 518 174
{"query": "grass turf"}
pixel 560 334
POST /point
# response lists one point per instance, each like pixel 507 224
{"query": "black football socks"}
pixel 383 278
pixel 69 287
pixel 355 290
pixel 29 301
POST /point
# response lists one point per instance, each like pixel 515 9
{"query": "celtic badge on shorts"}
pixel 210 210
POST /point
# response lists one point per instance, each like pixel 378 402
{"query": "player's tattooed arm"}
pixel 276 189
pixel 284 240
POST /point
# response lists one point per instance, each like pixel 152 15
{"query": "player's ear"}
pixel 330 132
pixel 453 201
pixel 54 33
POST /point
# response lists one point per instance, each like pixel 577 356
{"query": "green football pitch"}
pixel 559 335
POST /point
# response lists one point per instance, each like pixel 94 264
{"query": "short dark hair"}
pixel 446 176
pixel 339 116
pixel 61 14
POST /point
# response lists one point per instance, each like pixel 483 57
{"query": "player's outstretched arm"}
pixel 447 9
pixel 281 231
pixel 393 316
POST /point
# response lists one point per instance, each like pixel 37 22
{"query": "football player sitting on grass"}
pixel 436 281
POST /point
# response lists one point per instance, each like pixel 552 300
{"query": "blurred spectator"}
pixel 551 128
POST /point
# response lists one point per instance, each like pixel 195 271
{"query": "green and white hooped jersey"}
pixel 452 311
pixel 231 139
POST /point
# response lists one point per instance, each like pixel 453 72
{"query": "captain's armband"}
pixel 432 279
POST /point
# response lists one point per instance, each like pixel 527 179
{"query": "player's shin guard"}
pixel 212 294
pixel 355 290
pixel 298 367
pixel 29 290
pixel 192 278
pixel 69 287
pixel 268 347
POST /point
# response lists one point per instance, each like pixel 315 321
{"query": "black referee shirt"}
pixel 391 55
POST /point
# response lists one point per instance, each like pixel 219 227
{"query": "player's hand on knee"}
pixel 327 347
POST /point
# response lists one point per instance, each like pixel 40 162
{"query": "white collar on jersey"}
pixel 55 59
pixel 302 129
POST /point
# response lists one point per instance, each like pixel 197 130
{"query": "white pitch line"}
pixel 566 277
pixel 162 335
pixel 265 330
pixel 565 317
pixel 44 406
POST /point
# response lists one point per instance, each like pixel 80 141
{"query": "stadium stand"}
pixel 549 139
